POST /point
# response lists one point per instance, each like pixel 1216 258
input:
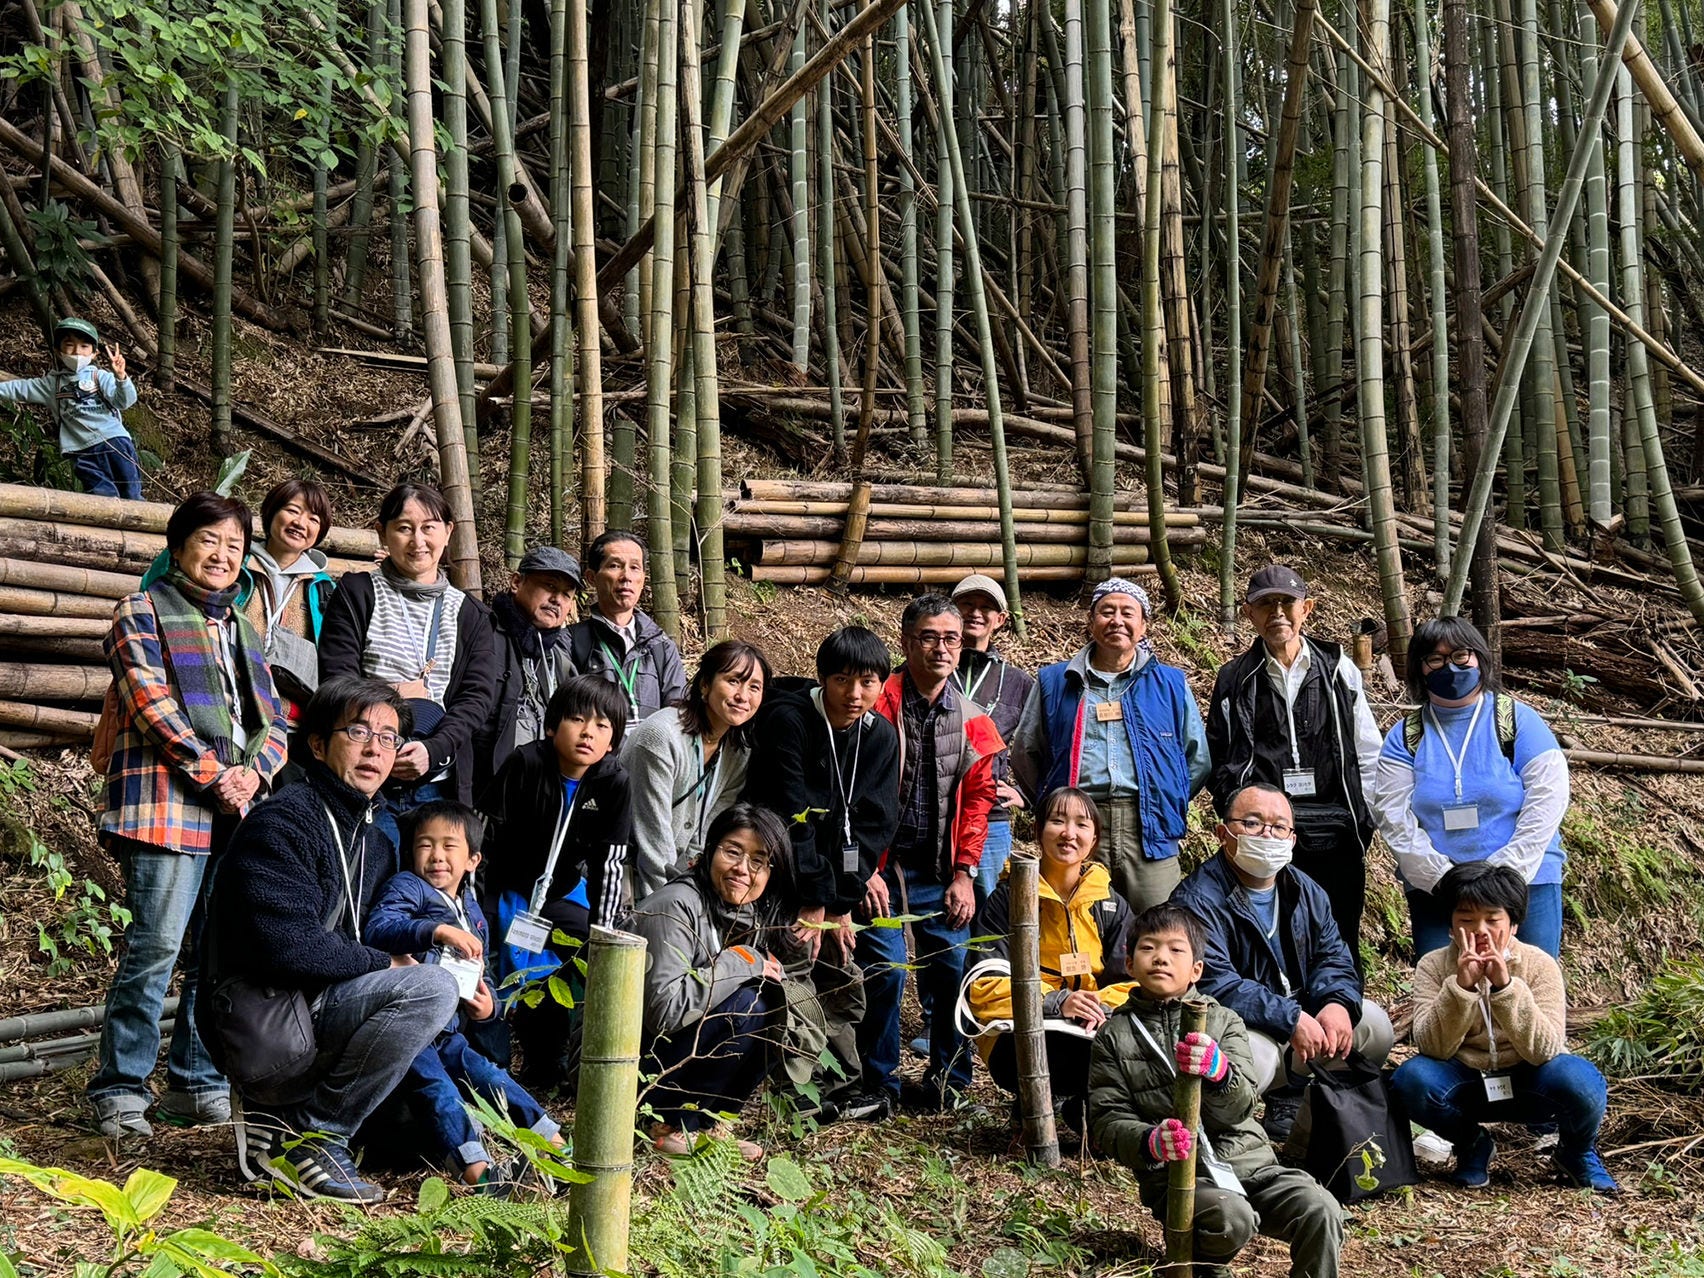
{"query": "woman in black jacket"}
pixel 406 624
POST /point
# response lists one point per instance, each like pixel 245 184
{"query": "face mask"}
pixel 1261 855
pixel 76 363
pixel 1452 682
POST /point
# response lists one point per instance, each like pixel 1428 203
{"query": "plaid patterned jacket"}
pixel 160 770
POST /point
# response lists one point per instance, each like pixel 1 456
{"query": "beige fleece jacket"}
pixel 1529 1014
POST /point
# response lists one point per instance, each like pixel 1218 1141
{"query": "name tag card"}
pixel 1499 1087
pixel 1075 963
pixel 1109 711
pixel 1299 783
pixel 529 932
pixel 466 971
pixel 1461 816
pixel 849 858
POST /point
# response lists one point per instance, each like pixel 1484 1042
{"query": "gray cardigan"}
pixel 699 952
pixel 671 810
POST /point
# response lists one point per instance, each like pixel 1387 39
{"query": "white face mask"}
pixel 76 363
pixel 1262 856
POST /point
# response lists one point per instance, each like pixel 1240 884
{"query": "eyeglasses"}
pixel 360 734
pixel 1460 657
pixel 756 862
pixel 932 639
pixel 1254 825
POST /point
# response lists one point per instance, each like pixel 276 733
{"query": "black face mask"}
pixel 1452 682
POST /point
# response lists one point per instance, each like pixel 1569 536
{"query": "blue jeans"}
pixel 714 1065
pixel 369 1030
pixel 940 958
pixel 1543 925
pixel 441 1075
pixel 109 468
pixel 994 853
pixel 1449 1098
pixel 163 891
pixel 401 798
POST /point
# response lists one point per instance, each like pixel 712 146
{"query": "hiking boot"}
pixel 929 1096
pixel 324 1169
pixel 122 1116
pixel 1280 1116
pixel 190 1109
pixel 1585 1170
pixel 873 1106
pixel 1473 1161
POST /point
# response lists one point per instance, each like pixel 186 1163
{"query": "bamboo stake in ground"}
pixel 1035 1088
pixel 609 1093
pixel 1180 1176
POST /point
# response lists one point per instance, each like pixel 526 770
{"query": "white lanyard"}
pixel 970 690
pixel 460 910
pixel 223 653
pixel 343 864
pixel 274 615
pixel 542 888
pixel 845 787
pixel 1456 760
pixel 1290 716
pixel 1218 1170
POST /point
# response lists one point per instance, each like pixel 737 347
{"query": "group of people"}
pixel 376 819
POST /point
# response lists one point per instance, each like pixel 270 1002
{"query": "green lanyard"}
pixel 628 679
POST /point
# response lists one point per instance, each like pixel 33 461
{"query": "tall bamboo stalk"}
pixel 1155 423
pixel 916 402
pixel 458 226
pixel 659 350
pixel 434 301
pixel 561 197
pixel 1231 69
pixel 826 241
pixel 947 195
pixel 1439 382
pixel 876 283
pixel 165 354
pixel 799 172
pixel 1594 319
pixel 322 178
pixel 224 238
pixel 402 287
pixel 366 171
pixel 1104 280
pixel 586 327
pixel 1369 342
pixel 1077 234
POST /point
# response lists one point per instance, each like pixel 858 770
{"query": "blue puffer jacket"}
pixel 409 910
pixel 1247 972
pixel 1167 739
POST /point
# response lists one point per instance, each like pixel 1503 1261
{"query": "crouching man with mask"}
pixel 1274 955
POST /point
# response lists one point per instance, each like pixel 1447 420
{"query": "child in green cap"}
pixel 86 403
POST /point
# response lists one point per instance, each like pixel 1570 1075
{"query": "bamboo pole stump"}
pixel 1180 1176
pixel 1035 1087
pixel 609 1093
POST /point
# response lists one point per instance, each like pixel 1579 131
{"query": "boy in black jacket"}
pixel 829 765
pixel 429 912
pixel 560 821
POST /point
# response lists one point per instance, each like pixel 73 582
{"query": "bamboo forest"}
pixel 1129 329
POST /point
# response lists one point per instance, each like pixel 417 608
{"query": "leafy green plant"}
pixel 1190 632
pixel 127 1211
pixel 1660 1035
pixel 59 255
pixel 29 451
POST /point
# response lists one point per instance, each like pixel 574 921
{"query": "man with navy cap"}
pixel 1120 724
pixel 529 626
pixel 1292 713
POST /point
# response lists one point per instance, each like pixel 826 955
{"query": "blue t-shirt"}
pixel 1487 779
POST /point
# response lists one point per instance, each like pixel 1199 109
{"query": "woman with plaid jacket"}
pixel 198 732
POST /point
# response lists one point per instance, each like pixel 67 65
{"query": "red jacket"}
pixel 966 745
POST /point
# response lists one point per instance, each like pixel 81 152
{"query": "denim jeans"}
pixel 369 1030
pixel 994 853
pixel 1542 927
pixel 109 468
pixel 940 958
pixel 714 1065
pixel 439 1080
pixel 401 799
pixel 163 891
pixel 1449 1098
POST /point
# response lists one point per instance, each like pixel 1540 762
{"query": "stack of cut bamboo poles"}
pixel 65 561
pixel 790 532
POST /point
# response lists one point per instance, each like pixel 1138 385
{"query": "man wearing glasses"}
pixel 947 749
pixel 1292 712
pixel 1274 955
pixel 1118 723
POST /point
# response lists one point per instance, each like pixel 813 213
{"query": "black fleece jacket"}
pixel 792 772
pixel 524 802
pixel 473 675
pixel 278 882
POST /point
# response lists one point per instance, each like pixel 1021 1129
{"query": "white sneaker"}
pixel 1431 1148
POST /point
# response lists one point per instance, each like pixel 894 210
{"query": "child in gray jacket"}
pixel 86 403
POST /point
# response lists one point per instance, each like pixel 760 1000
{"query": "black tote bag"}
pixel 1352 1110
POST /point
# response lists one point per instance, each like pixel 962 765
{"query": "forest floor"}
pixel 1635 860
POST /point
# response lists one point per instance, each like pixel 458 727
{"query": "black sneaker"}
pixel 1280 1116
pixel 324 1169
pixel 873 1106
pixel 259 1140
pixel 929 1097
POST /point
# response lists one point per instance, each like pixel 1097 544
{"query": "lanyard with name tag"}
pixel 849 851
pixel 1299 783
pixel 466 971
pixel 1109 711
pixel 1075 963
pixel 529 930
pixel 1462 814
pixel 1499 1087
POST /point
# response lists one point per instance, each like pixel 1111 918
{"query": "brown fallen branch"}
pixel 17 714
pixel 12 741
pixel 1636 762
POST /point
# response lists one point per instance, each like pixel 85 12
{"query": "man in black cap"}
pixel 1292 713
pixel 529 627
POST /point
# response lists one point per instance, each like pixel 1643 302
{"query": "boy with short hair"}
pixel 1490 1023
pixel 429 912
pixel 560 820
pixel 86 405
pixel 1241 1189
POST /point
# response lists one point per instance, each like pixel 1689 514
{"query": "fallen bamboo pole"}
pixel 1635 762
pixel 53 628
pixel 20 501
pixel 823 527
pixel 31 682
pixel 979 514
pixel 817 575
pixel 17 714
pixel 957 554
pixel 37 1024
pixel 64 577
pixel 10 740
pixel 52 603
pixel 83 651
pixel 89 546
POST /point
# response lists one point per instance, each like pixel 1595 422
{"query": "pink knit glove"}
pixel 1198 1054
pixel 1170 1142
